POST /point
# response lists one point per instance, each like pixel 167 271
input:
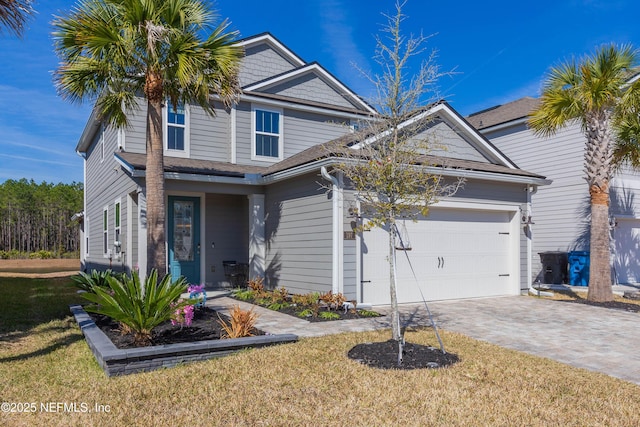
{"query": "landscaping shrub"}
pixel 140 307
pixel 241 324
pixel 86 282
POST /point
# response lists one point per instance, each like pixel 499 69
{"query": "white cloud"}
pixel 337 33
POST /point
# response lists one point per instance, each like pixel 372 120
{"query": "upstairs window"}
pixel 268 134
pixel 176 132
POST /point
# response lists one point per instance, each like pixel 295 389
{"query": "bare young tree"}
pixel 392 166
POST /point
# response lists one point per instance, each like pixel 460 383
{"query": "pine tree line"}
pixel 37 218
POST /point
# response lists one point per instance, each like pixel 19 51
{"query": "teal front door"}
pixel 184 238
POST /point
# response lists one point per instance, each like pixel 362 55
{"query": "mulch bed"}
pixel 205 326
pixel 293 311
pixel 384 355
pixel 348 315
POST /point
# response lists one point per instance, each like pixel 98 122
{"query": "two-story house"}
pixel 248 186
pixel 561 210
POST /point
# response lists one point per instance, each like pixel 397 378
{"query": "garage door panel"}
pixel 627 251
pixel 454 254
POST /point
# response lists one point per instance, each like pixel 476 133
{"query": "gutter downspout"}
pixel 531 190
pixel 337 231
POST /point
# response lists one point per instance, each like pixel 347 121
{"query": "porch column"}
pixel 142 235
pixel 257 249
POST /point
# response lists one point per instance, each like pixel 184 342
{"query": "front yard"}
pixel 44 361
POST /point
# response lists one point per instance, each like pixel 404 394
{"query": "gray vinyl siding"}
pixel 261 62
pixel 491 192
pixel 105 183
pixel 447 143
pixel 301 130
pixel 299 236
pixel 311 88
pixel 561 210
pixel 135 135
pixel 209 136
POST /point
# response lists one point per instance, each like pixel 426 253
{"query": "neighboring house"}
pixel 562 210
pixel 247 186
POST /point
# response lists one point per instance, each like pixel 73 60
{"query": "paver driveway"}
pixel 594 338
pixel 598 339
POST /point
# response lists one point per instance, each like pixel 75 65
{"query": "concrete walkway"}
pixel 593 338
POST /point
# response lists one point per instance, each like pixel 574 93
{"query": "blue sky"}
pixel 500 51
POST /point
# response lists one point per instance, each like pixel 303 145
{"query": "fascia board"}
pixel 488 176
pixel 93 124
pixel 282 49
pixel 504 125
pixel 298 107
pixel 456 173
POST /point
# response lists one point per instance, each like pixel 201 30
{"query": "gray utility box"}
pixel 554 267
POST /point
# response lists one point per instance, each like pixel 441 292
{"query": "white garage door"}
pixel 627 251
pixel 455 253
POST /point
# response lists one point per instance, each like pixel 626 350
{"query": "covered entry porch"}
pixel 215 238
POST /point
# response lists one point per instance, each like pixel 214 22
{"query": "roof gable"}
pixel 265 56
pixel 459 138
pixel 310 82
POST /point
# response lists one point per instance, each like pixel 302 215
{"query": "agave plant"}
pixel 139 307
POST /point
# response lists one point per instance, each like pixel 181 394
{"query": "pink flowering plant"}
pixel 185 309
pixel 183 315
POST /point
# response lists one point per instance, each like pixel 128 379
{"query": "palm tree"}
pixel 116 50
pixel 14 13
pixel 595 93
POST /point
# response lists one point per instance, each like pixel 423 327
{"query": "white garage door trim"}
pixel 626 237
pixel 511 283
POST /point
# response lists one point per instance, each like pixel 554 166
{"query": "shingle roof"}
pixel 198 167
pixel 331 149
pixel 500 114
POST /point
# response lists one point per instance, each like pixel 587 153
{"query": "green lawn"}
pixel 45 361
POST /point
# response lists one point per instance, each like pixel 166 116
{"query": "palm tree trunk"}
pixel 154 177
pixel 600 259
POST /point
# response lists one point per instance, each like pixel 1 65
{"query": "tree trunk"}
pixel 600 262
pixel 154 177
pixel 395 314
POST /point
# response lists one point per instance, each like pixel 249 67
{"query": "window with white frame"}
pixel 105 231
pixel 267 135
pixel 176 134
pixel 116 238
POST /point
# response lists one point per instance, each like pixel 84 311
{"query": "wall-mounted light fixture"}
pixel 526 218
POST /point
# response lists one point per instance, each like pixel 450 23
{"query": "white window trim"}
pixel 186 153
pixel 117 229
pixel 105 232
pixel 254 156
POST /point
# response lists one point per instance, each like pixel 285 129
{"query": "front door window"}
pixel 183 230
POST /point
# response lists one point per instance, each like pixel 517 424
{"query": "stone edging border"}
pixel 115 361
